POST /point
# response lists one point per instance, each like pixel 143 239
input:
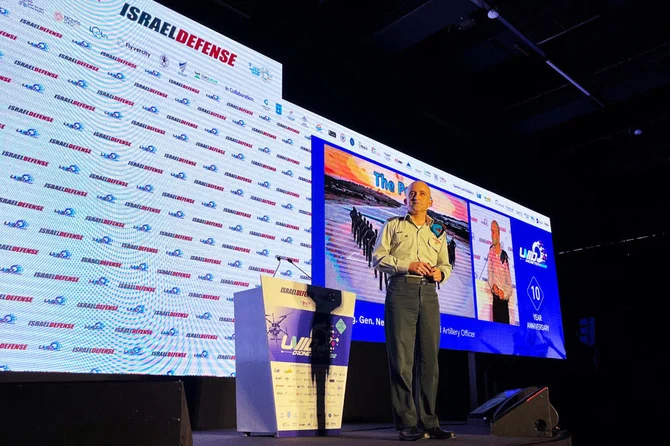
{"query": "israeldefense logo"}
pixel 536 255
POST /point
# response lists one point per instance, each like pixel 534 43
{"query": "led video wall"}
pixel 146 177
pixel 502 295
pixel 150 170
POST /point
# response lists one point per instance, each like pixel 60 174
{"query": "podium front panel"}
pixel 306 341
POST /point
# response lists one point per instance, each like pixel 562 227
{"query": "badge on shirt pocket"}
pixel 437 229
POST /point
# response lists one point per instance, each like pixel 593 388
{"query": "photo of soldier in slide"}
pixel 359 197
pixel 494 266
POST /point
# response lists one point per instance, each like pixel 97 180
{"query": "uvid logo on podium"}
pixel 305 346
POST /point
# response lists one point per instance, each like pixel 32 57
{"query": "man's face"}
pixel 418 197
pixel 495 233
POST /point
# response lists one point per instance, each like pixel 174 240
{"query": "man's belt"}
pixel 417 280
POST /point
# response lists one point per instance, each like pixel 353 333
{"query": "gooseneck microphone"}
pixel 279 259
pixel 289 260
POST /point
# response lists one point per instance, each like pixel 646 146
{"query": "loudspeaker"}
pixel 138 413
pixel 524 412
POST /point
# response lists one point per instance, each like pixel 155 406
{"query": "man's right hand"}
pixel 498 292
pixel 420 268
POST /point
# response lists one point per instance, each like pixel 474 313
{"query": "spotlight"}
pixel 637 132
pixel 493 14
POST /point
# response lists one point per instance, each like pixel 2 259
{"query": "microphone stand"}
pixel 292 263
pixel 483 267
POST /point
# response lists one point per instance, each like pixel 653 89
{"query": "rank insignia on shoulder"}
pixel 438 229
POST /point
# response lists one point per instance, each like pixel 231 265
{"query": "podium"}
pixel 292 352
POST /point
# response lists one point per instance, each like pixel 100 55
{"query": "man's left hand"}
pixel 437 274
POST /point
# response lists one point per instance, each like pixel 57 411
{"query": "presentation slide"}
pixel 150 169
pixel 502 295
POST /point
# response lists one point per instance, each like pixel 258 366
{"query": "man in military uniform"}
pixel 412 251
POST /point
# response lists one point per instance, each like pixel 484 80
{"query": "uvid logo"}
pixel 536 255
pixel 308 346
pixel 299 347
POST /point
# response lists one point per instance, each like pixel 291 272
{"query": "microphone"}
pixel 290 260
pixel 279 258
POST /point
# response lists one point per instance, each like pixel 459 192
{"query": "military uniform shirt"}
pixel 401 242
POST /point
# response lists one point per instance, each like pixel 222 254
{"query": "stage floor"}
pixel 355 434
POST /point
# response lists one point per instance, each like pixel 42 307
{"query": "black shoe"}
pixel 411 434
pixel 438 434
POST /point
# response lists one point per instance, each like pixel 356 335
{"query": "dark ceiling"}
pixel 479 98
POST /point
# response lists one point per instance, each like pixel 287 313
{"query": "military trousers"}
pixel 412 328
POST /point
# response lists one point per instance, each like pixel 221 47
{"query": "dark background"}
pixel 476 97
